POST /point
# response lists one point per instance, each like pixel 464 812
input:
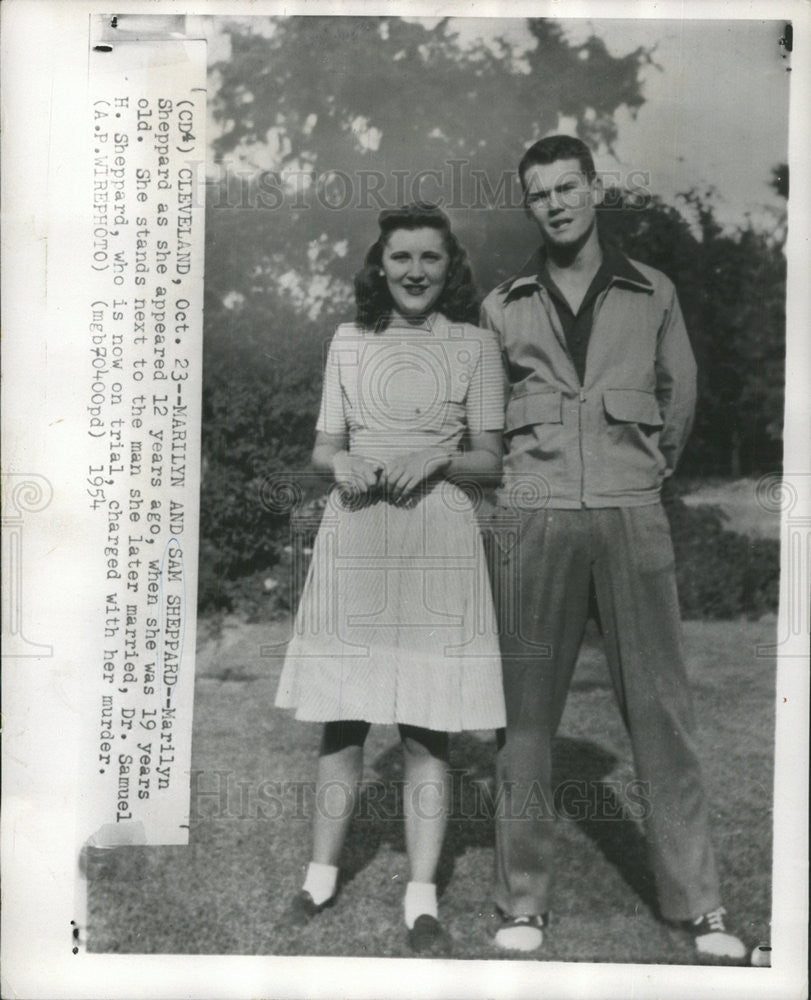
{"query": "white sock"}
pixel 320 881
pixel 420 898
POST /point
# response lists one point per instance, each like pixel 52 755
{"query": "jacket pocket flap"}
pixel 534 408
pixel 632 406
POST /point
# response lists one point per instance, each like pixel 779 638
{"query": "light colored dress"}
pixel 396 621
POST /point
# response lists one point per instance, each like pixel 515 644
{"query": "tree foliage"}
pixel 367 112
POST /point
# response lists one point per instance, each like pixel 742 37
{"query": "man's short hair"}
pixel 557 147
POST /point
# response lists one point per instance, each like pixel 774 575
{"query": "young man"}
pixel 600 404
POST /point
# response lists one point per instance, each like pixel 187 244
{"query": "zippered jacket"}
pixel 612 440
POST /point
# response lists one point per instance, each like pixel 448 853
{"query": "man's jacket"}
pixel 611 441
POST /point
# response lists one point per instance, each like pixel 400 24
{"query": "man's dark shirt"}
pixel 577 326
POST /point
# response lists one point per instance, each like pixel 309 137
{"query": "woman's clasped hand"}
pixel 397 477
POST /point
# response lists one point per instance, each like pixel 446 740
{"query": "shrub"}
pixel 721 574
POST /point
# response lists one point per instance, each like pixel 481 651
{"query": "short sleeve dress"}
pixel 396 620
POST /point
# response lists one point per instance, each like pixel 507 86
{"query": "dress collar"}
pixel 431 323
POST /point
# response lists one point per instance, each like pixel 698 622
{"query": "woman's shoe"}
pixel 303 908
pixel 428 936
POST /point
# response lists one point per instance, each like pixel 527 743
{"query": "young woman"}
pixel 396 622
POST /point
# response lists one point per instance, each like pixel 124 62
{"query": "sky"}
pixel 716 103
pixel 716 108
pixel 717 112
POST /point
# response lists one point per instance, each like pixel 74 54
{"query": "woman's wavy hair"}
pixel 458 301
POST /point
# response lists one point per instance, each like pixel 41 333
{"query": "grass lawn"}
pixel 250 824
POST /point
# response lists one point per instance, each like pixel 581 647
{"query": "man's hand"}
pixel 670 492
pixel 405 474
pixel 354 473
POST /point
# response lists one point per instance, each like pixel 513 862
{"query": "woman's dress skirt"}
pixel 396 620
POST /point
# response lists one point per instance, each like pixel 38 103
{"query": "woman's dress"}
pixel 396 621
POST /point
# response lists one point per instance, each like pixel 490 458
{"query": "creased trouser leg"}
pixel 639 610
pixel 550 571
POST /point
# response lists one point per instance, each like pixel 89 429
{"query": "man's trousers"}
pixel 542 572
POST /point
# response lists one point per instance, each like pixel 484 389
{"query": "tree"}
pixel 779 181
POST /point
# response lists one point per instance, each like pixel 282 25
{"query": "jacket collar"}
pixel 622 270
